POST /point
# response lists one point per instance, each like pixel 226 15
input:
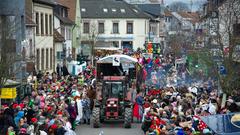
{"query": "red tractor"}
pixel 113 104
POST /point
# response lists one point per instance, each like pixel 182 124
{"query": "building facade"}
pixel 43 16
pixel 114 25
pixel 156 26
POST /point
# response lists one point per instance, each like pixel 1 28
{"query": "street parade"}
pixel 119 67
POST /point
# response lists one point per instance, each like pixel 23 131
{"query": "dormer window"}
pixel 135 10
pixel 105 10
pixel 114 9
pixel 83 9
pixel 123 10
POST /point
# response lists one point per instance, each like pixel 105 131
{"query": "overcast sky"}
pixel 196 3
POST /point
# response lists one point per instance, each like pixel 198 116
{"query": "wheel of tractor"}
pixel 127 118
pixel 96 117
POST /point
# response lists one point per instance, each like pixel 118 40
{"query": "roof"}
pixel 71 5
pixel 11 83
pixel 152 9
pixel 123 59
pixel 167 13
pixel 57 36
pixel 64 20
pixel 193 16
pixel 46 2
pixel 109 9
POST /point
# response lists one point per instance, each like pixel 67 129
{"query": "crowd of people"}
pixel 165 108
pixel 173 111
pixel 57 104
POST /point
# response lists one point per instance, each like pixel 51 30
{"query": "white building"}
pixel 43 16
pixel 112 25
pixel 156 25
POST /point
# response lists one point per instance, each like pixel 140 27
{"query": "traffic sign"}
pixel 116 61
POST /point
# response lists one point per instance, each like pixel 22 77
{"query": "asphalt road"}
pixel 109 128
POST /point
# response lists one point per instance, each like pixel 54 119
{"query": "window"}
pixel 100 27
pixel 46 24
pixel 115 44
pixel 62 27
pixel 135 10
pixel 83 9
pixel 42 24
pixel 47 58
pixel 37 23
pixel 86 27
pixel 236 29
pixel 59 54
pixel 115 28
pixel 42 59
pixel 63 12
pixel 123 10
pixel 51 58
pixel 38 59
pixel 153 29
pixel 31 48
pixel 50 24
pixel 114 10
pixel 129 27
pixel 105 10
pixel 68 34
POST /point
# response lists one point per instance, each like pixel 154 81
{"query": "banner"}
pixel 116 61
pixel 8 93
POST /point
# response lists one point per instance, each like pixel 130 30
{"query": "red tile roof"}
pixel 167 13
pixel 193 16
pixel 71 5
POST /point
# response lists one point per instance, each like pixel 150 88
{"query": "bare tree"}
pixel 7 49
pixel 92 37
pixel 181 42
pixel 222 34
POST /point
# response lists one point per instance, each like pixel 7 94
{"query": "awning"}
pixel 106 48
pixel 124 59
pixel 11 83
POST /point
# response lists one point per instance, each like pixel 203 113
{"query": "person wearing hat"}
pixel 11 131
pixel 33 128
pixel 23 131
